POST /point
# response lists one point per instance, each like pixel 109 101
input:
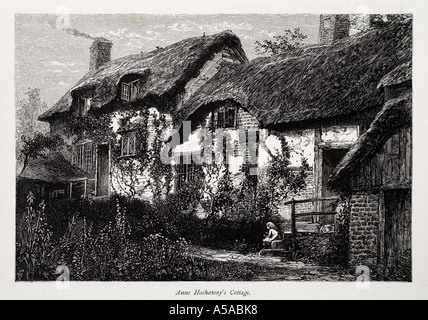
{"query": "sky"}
pixel 53 60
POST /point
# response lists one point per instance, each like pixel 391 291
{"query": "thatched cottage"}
pixel 160 80
pixel 338 104
pixel 321 98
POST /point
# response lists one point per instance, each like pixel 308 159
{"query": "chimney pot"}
pixel 100 53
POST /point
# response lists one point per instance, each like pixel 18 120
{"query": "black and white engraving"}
pixel 213 148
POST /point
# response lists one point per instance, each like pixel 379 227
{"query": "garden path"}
pixel 284 269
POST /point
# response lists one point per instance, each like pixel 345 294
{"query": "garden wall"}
pixel 363 229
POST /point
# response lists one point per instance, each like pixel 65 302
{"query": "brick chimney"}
pixel 333 27
pixel 100 53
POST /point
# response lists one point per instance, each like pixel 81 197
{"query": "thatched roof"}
pixel 165 72
pixel 313 83
pixel 399 75
pixel 53 168
pixel 395 114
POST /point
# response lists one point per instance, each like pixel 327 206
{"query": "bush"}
pixel 36 252
pixel 58 213
pixel 96 248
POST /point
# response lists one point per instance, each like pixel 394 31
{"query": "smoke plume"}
pixel 72 31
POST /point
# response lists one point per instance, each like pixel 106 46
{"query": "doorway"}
pixel 330 159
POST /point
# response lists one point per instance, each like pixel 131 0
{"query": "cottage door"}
pixel 397 225
pixel 330 159
pixel 103 165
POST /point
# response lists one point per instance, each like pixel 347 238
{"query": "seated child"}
pixel 272 235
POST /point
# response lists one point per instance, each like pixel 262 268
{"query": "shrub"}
pixel 36 254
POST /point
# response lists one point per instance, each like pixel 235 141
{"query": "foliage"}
pixel 126 170
pixel 36 147
pixel 288 41
pixel 36 255
pixel 281 179
pixel 97 128
pixel 160 173
pixel 27 111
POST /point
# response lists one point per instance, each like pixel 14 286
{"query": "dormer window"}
pixel 84 106
pixel 225 116
pixel 130 90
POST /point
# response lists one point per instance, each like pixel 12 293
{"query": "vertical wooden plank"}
pixel 396 163
pixel 403 143
pixel 293 227
pixel 85 189
pixel 367 182
pixel 71 188
pixel 317 169
pixel 408 161
pixel 293 219
pixel 109 170
pixel 373 171
pixel 381 230
pixel 96 170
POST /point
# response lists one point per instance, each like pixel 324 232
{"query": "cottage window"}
pixel 252 139
pixel 129 143
pixel 130 90
pixel 84 156
pixel 83 107
pixel 186 171
pixel 225 116
pixel 57 193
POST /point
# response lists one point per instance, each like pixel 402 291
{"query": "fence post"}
pixel 293 218
pixel 293 226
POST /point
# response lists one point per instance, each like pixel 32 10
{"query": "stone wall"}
pixel 363 229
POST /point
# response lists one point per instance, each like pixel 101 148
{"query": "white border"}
pixel 259 290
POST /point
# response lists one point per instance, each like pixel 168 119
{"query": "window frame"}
pixel 83 106
pixel 83 156
pixel 225 116
pixel 126 139
pixel 130 90
pixel 185 172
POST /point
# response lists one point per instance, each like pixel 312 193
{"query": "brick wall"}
pixel 363 229
pixel 246 121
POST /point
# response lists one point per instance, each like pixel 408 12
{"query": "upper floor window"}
pixel 129 143
pixel 84 156
pixel 130 90
pixel 225 116
pixel 83 107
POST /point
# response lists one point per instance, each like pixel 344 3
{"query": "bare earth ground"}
pixel 284 269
